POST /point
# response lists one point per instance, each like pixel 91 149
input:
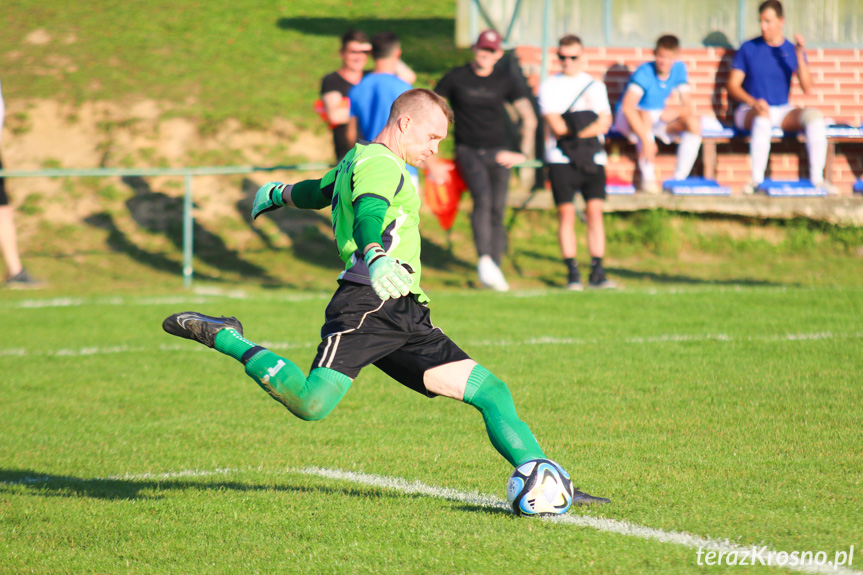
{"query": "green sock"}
pixel 508 434
pixel 309 398
pixel 230 342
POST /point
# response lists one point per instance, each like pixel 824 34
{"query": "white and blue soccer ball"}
pixel 539 487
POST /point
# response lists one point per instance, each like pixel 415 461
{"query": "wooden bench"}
pixel 709 154
pixel 838 94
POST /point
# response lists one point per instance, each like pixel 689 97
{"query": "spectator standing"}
pixel 760 80
pixel 335 87
pixel 16 276
pixel 642 115
pixel 477 92
pixel 372 98
pixel 573 90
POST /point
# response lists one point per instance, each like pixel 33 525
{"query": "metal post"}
pixel 508 38
pixel 473 20
pixel 546 30
pixel 741 21
pixel 606 22
pixel 187 233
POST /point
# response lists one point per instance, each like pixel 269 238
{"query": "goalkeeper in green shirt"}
pixel 379 313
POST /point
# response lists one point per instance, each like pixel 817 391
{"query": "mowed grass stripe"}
pixel 542 340
pixel 723 546
pixel 705 414
pixel 208 296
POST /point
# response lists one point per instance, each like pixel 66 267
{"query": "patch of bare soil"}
pixel 43 134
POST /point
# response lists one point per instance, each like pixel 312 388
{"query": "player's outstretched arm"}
pixel 306 195
pixel 803 73
pixel 271 196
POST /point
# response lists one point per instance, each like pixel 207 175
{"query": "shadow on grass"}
pixel 488 510
pixel 302 227
pixel 440 257
pixel 428 43
pixel 518 260
pixel 161 214
pixel 660 278
pixel 120 489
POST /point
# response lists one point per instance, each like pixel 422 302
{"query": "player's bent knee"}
pixel 323 390
pixel 810 115
pixel 694 127
pixel 314 410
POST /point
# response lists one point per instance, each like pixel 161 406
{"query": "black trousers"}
pixel 488 183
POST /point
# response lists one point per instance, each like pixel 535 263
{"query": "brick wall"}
pixel 836 73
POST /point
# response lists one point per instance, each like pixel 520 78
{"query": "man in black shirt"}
pixel 335 87
pixel 477 92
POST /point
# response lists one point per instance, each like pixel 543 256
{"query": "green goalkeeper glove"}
pixel 390 277
pixel 269 197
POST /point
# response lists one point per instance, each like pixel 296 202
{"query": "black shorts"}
pixel 395 335
pixel 4 199
pixel 566 179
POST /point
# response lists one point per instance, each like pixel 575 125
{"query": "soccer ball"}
pixel 539 487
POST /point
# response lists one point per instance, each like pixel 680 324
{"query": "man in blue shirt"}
pixel 642 116
pixel 372 98
pixel 760 80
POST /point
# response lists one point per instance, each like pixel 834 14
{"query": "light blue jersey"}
pixel 371 101
pixel 655 91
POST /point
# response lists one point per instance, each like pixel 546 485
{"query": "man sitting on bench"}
pixel 642 117
pixel 760 80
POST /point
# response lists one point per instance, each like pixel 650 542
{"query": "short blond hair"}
pixel 416 101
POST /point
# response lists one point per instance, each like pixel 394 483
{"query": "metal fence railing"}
pixel 187 173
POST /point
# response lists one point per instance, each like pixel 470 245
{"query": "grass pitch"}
pixel 718 395
pixel 729 413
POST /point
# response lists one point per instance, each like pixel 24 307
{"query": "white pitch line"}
pixel 204 297
pixel 599 523
pixel 539 340
pixel 624 528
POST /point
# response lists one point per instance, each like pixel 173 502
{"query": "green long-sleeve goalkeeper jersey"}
pixel 373 171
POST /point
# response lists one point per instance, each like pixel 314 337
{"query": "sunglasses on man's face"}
pixel 563 57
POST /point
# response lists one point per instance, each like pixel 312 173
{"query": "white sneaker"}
pixel 650 187
pixel 490 275
pixel 827 188
pixel 749 189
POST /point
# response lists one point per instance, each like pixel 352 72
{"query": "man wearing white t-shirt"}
pixel 573 90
